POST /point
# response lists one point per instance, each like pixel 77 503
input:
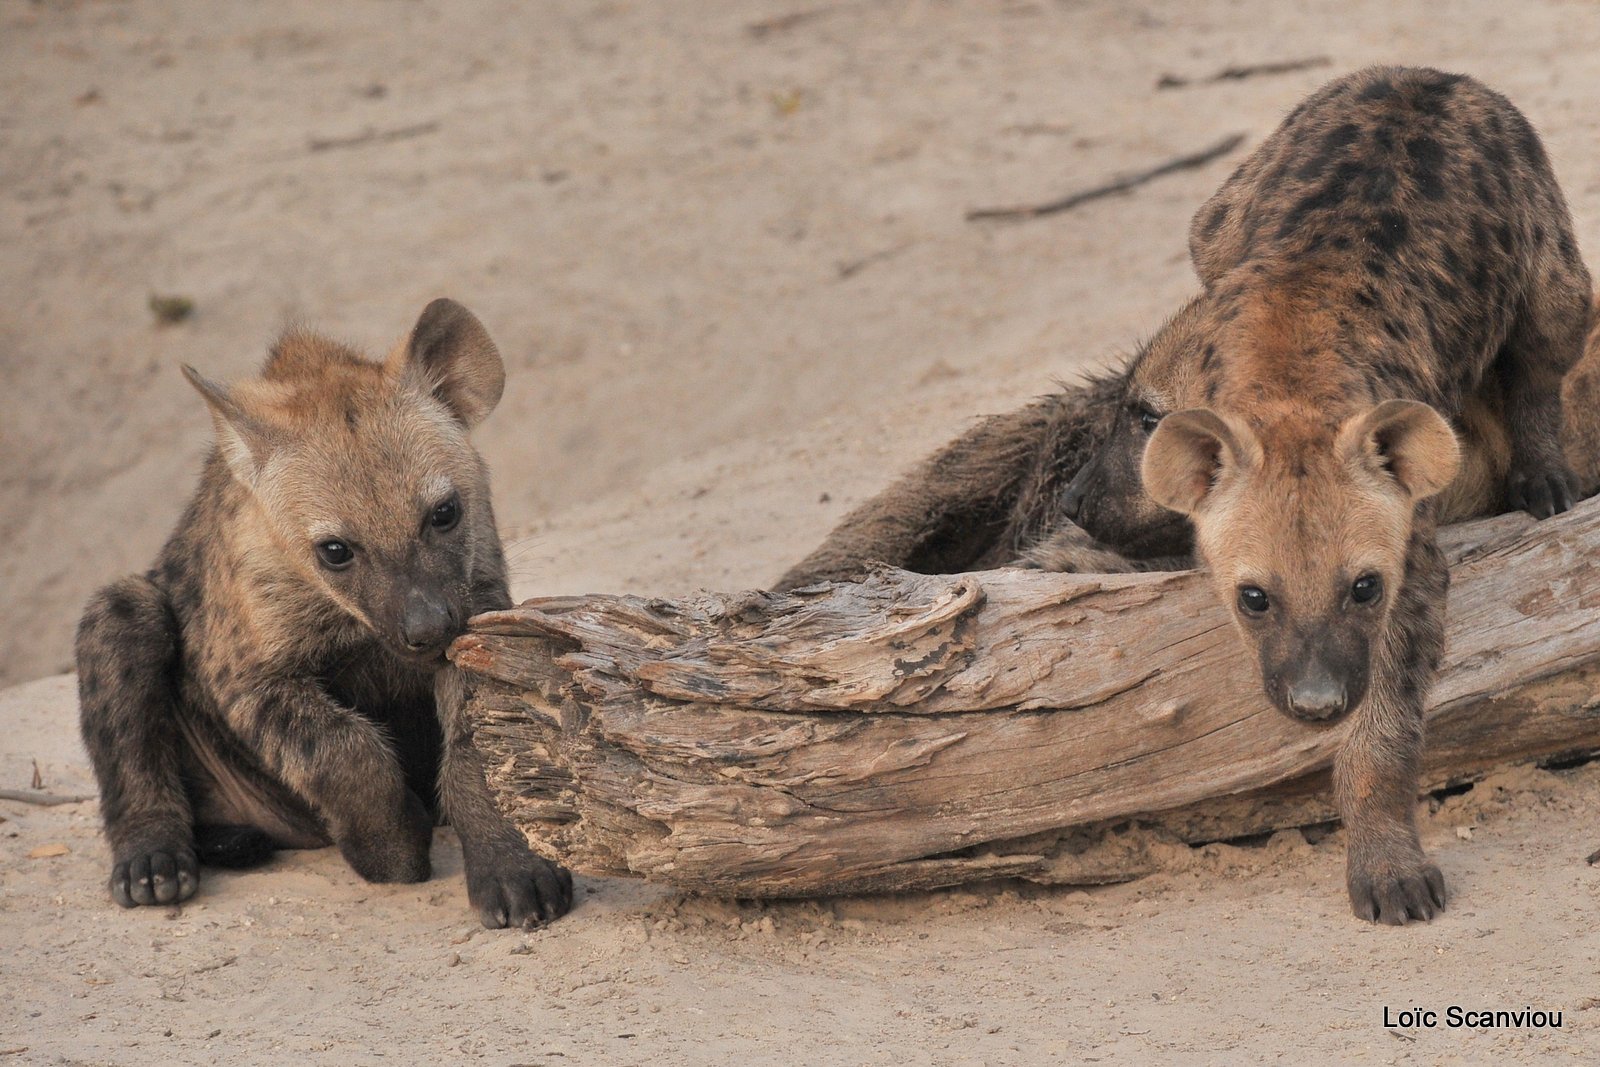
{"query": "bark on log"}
pixel 912 731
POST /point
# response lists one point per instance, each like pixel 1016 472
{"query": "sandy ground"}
pixel 726 259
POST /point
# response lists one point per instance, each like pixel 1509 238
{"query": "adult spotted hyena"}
pixel 277 679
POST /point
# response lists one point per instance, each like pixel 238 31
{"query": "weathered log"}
pixel 914 731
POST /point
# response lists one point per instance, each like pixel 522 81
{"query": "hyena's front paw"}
pixel 1542 491
pixel 510 886
pixel 1393 892
pixel 1070 550
pixel 156 876
pixel 389 852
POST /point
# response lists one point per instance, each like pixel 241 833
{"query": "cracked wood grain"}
pixel 911 731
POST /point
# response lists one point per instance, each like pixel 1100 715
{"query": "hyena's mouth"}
pixel 1319 719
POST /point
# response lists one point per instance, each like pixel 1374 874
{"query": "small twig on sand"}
pixel 371 136
pixel 855 266
pixel 1121 185
pixel 1235 74
pixel 766 27
pixel 42 799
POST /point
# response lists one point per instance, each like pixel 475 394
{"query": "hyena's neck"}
pixel 1288 352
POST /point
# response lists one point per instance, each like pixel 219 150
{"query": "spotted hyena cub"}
pixel 1393 265
pixel 277 679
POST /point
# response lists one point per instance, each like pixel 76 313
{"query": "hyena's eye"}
pixel 1148 420
pixel 1366 589
pixel 335 555
pixel 1253 600
pixel 444 516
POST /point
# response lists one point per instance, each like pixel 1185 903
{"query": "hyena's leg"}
pixel 342 765
pixel 506 882
pixel 127 659
pixel 1546 342
pixel 1375 775
pixel 1070 550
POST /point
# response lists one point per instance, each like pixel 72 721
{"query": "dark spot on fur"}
pixel 1528 140
pixel 1382 89
pixel 1495 151
pixel 1480 233
pixel 1334 142
pixel 1208 358
pixel 1380 186
pixel 1433 92
pixel 1568 250
pixel 1341 242
pixel 1480 277
pixel 1375 268
pixel 1396 329
pixel 1452 262
pixel 1305 206
pixel 1367 297
pixel 1218 216
pixel 1427 160
pixel 1389 233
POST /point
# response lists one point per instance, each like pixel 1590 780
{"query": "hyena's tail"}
pixel 233 847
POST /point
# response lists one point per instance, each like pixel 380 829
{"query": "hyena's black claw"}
pixel 1542 493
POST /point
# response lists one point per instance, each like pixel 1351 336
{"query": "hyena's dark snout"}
pixel 1319 687
pixel 428 621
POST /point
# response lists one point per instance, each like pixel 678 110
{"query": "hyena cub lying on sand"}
pixel 277 679
pixel 1397 254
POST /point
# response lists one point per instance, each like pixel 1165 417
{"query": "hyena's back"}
pixel 1439 196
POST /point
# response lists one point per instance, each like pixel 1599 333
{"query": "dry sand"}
pixel 726 260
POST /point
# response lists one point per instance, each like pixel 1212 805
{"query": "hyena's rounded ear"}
pixel 1407 440
pixel 1187 452
pixel 246 440
pixel 459 361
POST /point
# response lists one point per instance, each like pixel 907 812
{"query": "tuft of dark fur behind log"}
pixel 979 501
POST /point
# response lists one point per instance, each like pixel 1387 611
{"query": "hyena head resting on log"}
pixel 1394 263
pixel 277 679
